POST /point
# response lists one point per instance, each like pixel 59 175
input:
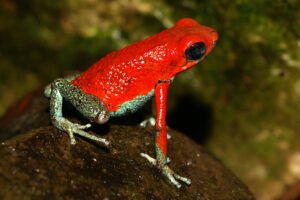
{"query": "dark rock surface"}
pixel 38 162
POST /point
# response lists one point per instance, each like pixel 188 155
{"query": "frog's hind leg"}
pixel 151 121
pixel 47 90
pixel 88 105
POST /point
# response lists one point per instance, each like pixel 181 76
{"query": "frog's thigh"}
pixel 88 105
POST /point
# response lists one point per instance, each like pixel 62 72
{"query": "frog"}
pixel 123 81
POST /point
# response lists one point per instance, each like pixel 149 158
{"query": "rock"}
pixel 38 162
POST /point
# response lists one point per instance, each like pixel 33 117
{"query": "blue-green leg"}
pixel 88 105
pixel 47 90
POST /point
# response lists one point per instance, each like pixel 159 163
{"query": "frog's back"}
pixel 132 71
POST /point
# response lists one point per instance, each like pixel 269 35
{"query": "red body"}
pixel 135 70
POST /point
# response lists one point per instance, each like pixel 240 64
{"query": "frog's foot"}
pixel 149 120
pixel 153 160
pixel 168 136
pixel 73 128
pixel 171 176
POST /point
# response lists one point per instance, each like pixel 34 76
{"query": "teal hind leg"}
pixel 89 106
pixel 47 90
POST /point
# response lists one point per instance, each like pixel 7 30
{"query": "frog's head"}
pixel 194 43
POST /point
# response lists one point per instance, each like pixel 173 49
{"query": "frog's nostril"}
pixel 215 42
pixel 214 36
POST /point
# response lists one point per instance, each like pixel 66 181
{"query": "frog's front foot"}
pixel 73 128
pixel 149 120
pixel 171 176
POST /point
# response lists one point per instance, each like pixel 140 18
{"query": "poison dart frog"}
pixel 123 81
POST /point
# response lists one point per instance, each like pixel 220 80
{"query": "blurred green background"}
pixel 242 102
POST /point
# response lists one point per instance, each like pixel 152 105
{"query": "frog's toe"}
pixel 149 120
pixel 91 137
pixel 153 160
pixel 169 136
pixel 183 179
pixel 66 126
pixel 82 127
pixel 72 128
pixel 149 158
pixel 172 180
pixel 173 177
pixel 71 135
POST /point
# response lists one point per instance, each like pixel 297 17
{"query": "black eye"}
pixel 196 51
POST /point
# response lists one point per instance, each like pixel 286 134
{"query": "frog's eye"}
pixel 195 51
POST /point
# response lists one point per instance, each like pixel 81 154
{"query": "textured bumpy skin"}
pixel 121 82
pixel 135 70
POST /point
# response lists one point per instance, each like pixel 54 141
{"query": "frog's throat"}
pixel 133 105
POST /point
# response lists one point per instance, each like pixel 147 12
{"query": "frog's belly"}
pixel 133 105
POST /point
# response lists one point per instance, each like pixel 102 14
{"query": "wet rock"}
pixel 38 162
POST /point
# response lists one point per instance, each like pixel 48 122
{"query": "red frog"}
pixel 123 81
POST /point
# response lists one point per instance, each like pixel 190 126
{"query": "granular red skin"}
pixel 135 70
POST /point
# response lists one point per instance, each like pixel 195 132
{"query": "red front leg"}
pixel 161 92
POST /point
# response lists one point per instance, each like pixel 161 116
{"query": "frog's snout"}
pixel 215 42
pixel 215 37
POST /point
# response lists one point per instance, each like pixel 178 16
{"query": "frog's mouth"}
pixel 190 63
pixel 170 80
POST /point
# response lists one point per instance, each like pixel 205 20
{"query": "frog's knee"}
pixel 58 83
pixel 102 116
pixel 47 91
pixel 49 87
